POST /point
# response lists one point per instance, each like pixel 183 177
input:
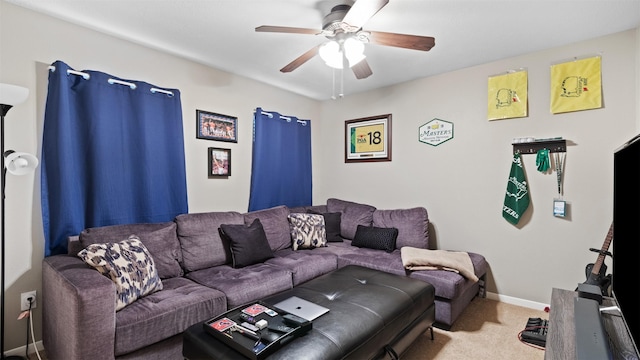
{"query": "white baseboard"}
pixel 517 301
pixel 20 350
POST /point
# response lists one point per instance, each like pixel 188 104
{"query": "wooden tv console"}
pixel 561 340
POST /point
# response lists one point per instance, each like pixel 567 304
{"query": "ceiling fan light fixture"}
pixel 354 51
pixel 331 55
pixel 331 52
pixel 343 27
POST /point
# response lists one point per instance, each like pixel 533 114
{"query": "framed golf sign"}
pixel 368 139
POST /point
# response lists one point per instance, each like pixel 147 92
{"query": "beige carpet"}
pixel 486 329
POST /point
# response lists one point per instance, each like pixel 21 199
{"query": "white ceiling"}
pixel 220 33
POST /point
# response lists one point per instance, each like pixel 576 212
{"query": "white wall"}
pixel 461 182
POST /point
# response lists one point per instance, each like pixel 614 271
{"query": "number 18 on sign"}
pixel 368 139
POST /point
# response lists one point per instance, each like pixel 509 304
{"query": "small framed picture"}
pixel 368 139
pixel 212 126
pixel 219 162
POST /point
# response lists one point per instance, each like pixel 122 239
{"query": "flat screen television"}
pixel 626 235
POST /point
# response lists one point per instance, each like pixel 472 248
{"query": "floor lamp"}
pixel 17 164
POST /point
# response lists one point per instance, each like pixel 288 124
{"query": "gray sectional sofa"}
pixel 199 281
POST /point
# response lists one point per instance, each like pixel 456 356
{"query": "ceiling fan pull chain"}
pixel 333 84
pixel 341 95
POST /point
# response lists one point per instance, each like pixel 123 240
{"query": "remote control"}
pixel 249 326
pixel 280 328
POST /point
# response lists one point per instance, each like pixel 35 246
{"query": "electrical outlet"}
pixel 24 300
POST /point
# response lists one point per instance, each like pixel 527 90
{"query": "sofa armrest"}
pixel 79 316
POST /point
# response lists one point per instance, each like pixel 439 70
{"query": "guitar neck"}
pixel 605 247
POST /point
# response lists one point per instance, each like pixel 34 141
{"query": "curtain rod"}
pixel 111 81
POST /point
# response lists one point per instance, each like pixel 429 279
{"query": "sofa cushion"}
pixel 163 314
pixel 307 231
pixel 375 238
pixel 412 225
pixel 200 240
pixel 241 286
pixel 304 265
pixel 128 264
pixel 159 238
pixel 275 224
pixel 353 214
pixel 249 244
pixel 331 224
pixel 338 248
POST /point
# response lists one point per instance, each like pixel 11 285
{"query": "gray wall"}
pixel 460 182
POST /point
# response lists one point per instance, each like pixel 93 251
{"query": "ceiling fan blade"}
pixel 300 60
pixel 362 11
pixel 285 29
pixel 362 70
pixel 415 42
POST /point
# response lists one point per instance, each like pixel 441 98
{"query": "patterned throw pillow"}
pixel 130 266
pixel 307 231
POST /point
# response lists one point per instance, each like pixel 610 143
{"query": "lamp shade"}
pixel 19 163
pixel 12 94
pixel 331 54
pixel 354 51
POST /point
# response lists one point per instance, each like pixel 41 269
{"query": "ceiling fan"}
pixel 343 27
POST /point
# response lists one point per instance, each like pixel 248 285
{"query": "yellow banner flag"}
pixel 576 85
pixel 507 96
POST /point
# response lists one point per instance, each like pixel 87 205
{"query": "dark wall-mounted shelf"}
pixel 534 146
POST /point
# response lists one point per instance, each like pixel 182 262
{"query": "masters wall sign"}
pixel 435 132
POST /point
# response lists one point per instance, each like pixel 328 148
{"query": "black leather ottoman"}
pixel 372 314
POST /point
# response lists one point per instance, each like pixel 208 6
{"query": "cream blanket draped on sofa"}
pixel 424 259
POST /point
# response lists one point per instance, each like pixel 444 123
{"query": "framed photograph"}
pixel 219 162
pixel 368 139
pixel 212 126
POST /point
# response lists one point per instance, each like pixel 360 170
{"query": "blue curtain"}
pixel 281 163
pixel 111 154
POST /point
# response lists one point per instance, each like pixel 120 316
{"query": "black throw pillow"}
pixel 375 238
pixel 331 225
pixel 249 244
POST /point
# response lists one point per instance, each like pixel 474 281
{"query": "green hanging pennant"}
pixel 516 199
